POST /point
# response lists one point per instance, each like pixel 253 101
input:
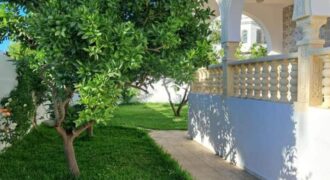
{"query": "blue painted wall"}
pixel 256 135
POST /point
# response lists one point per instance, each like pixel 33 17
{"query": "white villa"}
pixel 269 116
pixel 251 33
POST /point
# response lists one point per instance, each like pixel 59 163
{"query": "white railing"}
pixel 324 56
pixel 209 81
pixel 272 78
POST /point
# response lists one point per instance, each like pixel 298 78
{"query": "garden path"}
pixel 194 158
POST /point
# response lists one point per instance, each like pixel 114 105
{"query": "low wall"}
pixel 270 140
pixel 313 144
pixel 157 94
pixel 7 76
pixel 7 79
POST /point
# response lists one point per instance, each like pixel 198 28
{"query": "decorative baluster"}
pixel 265 81
pixel 206 78
pixel 215 81
pixel 326 81
pixel 193 84
pixel 202 89
pixel 236 81
pixel 197 81
pixel 207 81
pixel 220 81
pixel 240 85
pixel 257 80
pixel 243 81
pixel 211 81
pixel 274 81
pixel 284 81
pixel 294 81
pixel 202 83
pixel 250 81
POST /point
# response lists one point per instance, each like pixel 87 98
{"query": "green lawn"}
pixel 114 153
pixel 150 116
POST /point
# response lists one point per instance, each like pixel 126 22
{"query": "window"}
pixel 260 38
pixel 244 36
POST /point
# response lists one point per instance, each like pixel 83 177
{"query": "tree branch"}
pixel 138 87
pixel 155 49
pixel 169 97
pixel 60 130
pixel 183 101
pixel 60 107
pixel 77 132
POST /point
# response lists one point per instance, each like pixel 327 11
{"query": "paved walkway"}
pixel 193 157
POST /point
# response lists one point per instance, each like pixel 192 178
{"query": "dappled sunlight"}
pixel 207 128
pixel 239 132
pixel 289 154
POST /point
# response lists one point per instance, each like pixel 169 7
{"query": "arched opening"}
pixel 268 14
pixel 253 37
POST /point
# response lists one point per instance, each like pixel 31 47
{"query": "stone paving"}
pixel 196 159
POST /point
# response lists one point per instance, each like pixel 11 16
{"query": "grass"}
pixel 116 152
pixel 150 116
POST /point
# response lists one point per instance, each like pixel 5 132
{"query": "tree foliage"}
pixel 96 48
pixel 22 101
pixel 258 50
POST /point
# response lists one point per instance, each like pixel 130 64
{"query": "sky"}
pixel 4 46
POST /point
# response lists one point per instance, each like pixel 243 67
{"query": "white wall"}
pixel 314 144
pixel 158 94
pixel 270 17
pixel 251 27
pixel 320 7
pixel 7 76
pixel 7 79
pixel 269 139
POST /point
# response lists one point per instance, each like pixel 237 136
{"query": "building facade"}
pixel 269 116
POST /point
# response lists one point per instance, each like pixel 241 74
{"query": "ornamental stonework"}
pixel 292 34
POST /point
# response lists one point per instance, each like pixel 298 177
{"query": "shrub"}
pixel 128 94
pixel 23 100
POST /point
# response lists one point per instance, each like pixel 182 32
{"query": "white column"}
pixel 309 75
pixel 309 82
pixel 228 72
pixel 231 13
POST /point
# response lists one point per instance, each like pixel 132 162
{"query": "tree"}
pixel 96 48
pixel 258 50
pixel 177 87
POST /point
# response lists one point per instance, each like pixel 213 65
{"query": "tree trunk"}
pixel 70 155
pixel 169 98
pixel 183 102
pixel 34 115
pixel 34 120
pixel 90 131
